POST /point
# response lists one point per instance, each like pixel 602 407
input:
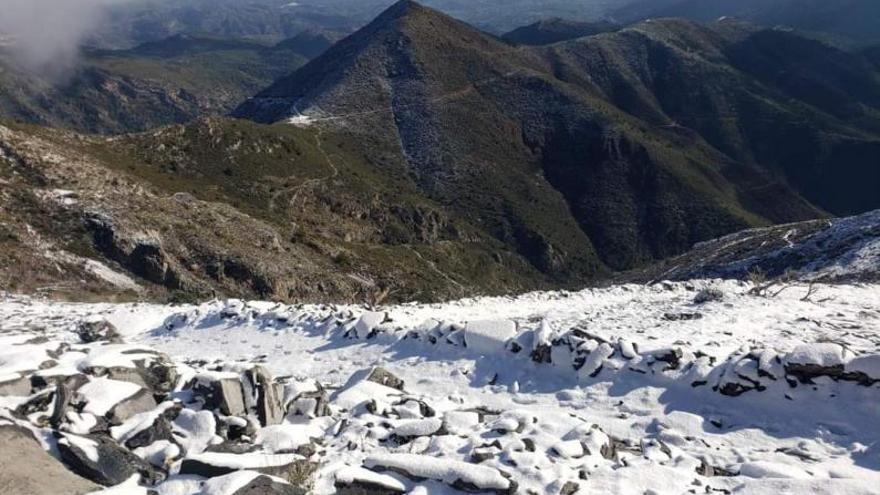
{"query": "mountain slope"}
pixel 168 81
pixel 647 140
pixel 549 31
pixel 231 208
pixel 846 20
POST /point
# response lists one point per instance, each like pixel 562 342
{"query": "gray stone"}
pixel 384 377
pixel 268 396
pixel 19 386
pixel 95 331
pixel 264 485
pixel 27 469
pixel 114 465
pixel 142 401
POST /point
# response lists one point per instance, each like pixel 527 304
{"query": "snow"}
pixel 102 394
pixel 823 354
pixel 131 486
pixel 88 446
pixel 195 430
pixel 764 469
pixel 288 438
pixel 488 336
pixel 349 474
pixel 137 423
pixel 417 427
pixel 631 403
pixel 231 483
pixel 446 470
pixel 869 365
pixel 251 460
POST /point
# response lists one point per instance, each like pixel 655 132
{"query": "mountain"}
pixel 840 250
pixel 549 31
pixel 169 81
pixel 612 150
pixel 853 21
pixel 310 43
pixel 232 208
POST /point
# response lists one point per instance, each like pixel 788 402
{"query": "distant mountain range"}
pixel 554 30
pixel 848 21
pixel 170 81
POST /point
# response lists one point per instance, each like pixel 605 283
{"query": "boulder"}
pixel 264 485
pixel 222 392
pixel 28 469
pixel 384 377
pixel 359 481
pixel 160 429
pixel 140 402
pixel 15 385
pixel 708 295
pixel 810 361
pixel 314 404
pixel 268 396
pixel 100 459
pixel 98 331
pixel 212 464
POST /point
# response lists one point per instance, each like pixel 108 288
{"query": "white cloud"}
pixel 47 34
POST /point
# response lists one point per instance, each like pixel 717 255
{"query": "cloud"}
pixel 47 34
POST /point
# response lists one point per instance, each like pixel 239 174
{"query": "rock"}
pixel 570 488
pixel 670 356
pixel 457 474
pixel 95 331
pixel 222 392
pixel 407 430
pixel 140 402
pixel 384 377
pixel 39 402
pixel 314 404
pixel 708 470
pixel 570 449
pixel 542 342
pixel 160 374
pixel 159 430
pixel 212 464
pixel 365 327
pixel 810 361
pixel 682 316
pixel 28 469
pixel 268 396
pixel 708 295
pixel 63 394
pixel 15 385
pixel 101 460
pixel 359 481
pixel 264 485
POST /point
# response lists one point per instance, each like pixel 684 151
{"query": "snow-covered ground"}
pixel 694 387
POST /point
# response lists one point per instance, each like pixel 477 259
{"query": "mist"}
pixel 46 35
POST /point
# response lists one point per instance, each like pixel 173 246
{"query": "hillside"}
pixel 845 21
pixel 221 207
pixel 554 30
pixel 168 81
pixel 648 140
pixel 840 251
